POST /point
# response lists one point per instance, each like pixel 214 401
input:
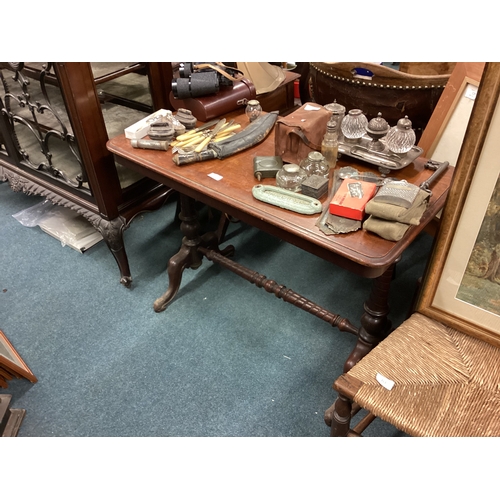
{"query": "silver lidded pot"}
pixel 377 128
pixel 337 111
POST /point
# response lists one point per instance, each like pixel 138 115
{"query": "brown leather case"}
pixel 226 100
pixel 301 132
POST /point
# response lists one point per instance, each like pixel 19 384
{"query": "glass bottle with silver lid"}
pixel 353 125
pixel 401 138
pixel 337 111
pixel 315 164
pixel 253 109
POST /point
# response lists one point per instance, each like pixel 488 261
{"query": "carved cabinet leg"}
pixel 112 233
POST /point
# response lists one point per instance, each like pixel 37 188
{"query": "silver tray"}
pixel 385 159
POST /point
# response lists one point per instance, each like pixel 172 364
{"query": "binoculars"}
pixel 200 79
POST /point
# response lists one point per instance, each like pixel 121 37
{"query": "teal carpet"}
pixel 224 359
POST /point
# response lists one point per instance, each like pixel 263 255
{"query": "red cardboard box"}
pixel 350 202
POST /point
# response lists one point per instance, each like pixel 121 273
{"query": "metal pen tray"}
pixel 385 159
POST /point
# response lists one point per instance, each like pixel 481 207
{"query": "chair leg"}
pixel 338 417
pixel 363 424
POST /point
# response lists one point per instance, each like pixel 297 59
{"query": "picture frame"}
pixel 12 363
pixel 443 135
pixel 474 188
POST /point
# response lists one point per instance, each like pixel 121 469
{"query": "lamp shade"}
pixel 265 77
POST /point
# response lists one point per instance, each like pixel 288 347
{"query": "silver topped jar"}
pixel 253 109
pixel 354 124
pixel 315 164
pixel 401 138
pixel 337 111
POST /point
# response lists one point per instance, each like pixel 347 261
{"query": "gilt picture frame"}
pixel 11 362
pixel 458 289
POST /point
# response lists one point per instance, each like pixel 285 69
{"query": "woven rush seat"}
pixel 446 383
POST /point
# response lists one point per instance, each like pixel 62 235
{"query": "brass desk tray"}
pixel 384 159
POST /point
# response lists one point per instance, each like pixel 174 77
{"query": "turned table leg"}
pixel 374 323
pixel 374 327
pixel 188 256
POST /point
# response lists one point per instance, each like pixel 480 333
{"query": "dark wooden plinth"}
pixel 10 418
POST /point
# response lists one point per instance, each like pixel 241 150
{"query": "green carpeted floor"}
pixel 224 359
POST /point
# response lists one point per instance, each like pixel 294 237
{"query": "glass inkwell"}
pixel 376 129
pixel 253 109
pixel 353 125
pixel 290 177
pixel 401 138
pixel 315 164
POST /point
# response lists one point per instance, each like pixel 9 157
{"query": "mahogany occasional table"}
pixel 230 191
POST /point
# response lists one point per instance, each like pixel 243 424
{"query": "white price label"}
pixel 384 381
pixel 217 177
pixel 471 91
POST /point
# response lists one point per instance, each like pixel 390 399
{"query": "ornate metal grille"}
pixel 38 124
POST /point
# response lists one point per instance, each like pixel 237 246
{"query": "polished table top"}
pixel 361 252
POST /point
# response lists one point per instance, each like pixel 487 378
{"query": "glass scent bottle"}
pixel 290 176
pixel 315 164
pixel 253 109
pixel 354 124
pixel 401 138
pixel 330 144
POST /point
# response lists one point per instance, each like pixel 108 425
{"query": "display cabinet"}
pixel 55 120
